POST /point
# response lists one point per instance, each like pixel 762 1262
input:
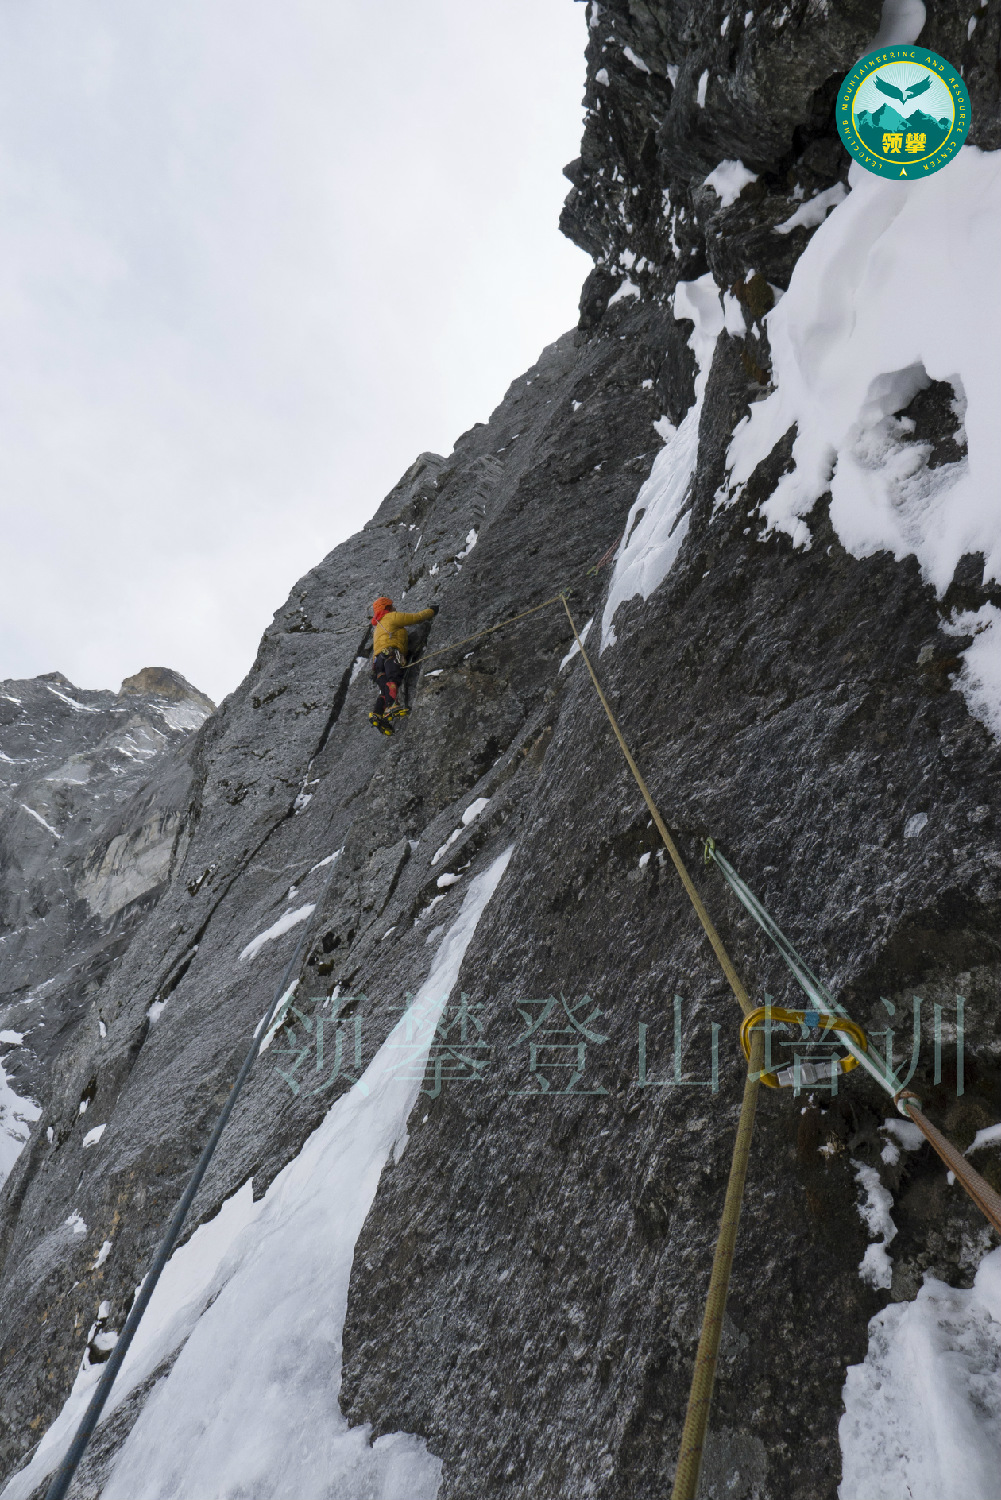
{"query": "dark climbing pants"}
pixel 387 669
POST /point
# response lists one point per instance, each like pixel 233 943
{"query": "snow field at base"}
pixel 923 1410
pixel 255 1301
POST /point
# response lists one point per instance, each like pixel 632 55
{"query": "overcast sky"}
pixel 254 257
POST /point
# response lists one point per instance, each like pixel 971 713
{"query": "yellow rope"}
pixel 743 999
pixel 704 1374
pixel 686 1477
pixel 429 655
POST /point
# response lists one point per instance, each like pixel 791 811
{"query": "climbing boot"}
pixel 380 722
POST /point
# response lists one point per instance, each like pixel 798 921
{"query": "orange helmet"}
pixel 381 606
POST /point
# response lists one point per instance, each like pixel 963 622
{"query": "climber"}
pixel 390 645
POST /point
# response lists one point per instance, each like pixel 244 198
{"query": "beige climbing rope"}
pixel 743 999
pixel 693 1436
pixel 704 1375
pixel 429 655
pixel 983 1195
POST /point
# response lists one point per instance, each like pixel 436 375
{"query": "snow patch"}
pixel 469 816
pixel 328 861
pixel 922 1411
pixel 93 1136
pixel 102 1256
pixel 980 679
pixel 440 853
pixel 284 924
pixel 186 715
pixel 81 708
pixel 637 62
pixel 39 819
pixel 627 289
pixel 17 1115
pixel 473 810
pixel 915 824
pixel 700 93
pixel 875 1266
pixel 862 328
pixel 76 1223
pixel 729 180
pixel 989 1136
pixel 815 210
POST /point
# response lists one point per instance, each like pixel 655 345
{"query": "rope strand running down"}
pixel 742 997
pixel 693 1436
pixel 704 1374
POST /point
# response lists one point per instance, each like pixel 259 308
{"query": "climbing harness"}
pixel 559 598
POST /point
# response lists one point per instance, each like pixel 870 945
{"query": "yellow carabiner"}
pixel 793 1017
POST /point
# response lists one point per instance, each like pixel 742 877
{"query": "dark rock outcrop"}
pixel 527 1290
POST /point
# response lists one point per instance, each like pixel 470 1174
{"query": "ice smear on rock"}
pixel 658 521
pixel 257 1297
pixel 289 920
pixel 922 1411
pixel 17 1115
pixel 575 648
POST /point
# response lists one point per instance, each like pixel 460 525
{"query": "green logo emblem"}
pixel 903 112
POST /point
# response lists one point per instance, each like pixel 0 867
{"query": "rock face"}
pixel 527 1289
pixel 90 816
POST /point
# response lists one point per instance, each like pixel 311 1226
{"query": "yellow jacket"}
pixel 391 631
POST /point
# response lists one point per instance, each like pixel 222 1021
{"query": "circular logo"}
pixel 903 112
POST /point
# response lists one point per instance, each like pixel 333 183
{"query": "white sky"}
pixel 254 257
